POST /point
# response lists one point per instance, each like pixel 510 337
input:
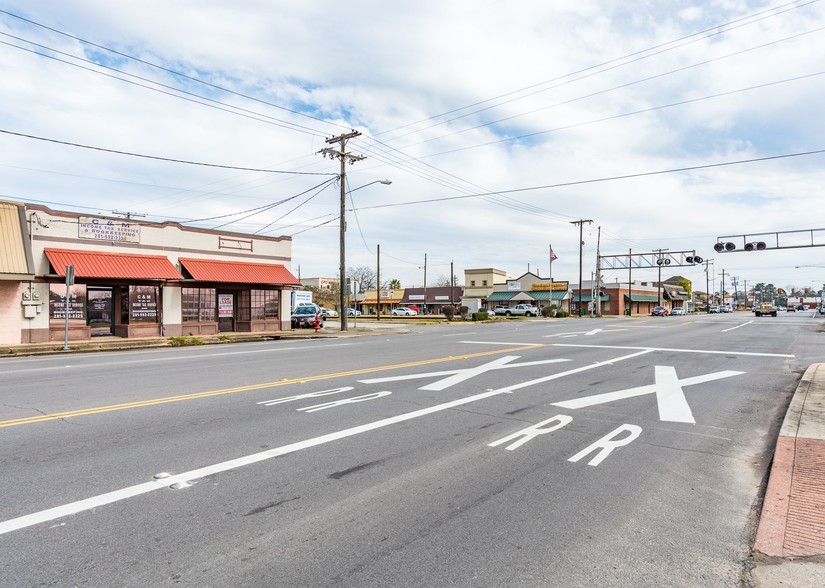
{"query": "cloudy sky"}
pixel 668 124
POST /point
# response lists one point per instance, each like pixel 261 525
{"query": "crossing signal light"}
pixel 693 259
pixel 756 245
pixel 720 247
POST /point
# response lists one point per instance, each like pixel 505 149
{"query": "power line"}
pixel 597 180
pixel 157 158
pixel 168 70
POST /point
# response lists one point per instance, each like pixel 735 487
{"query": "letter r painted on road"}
pixel 607 444
pixel 532 432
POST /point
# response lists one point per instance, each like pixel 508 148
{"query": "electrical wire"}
pixel 157 158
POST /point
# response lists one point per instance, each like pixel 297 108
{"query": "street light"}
pixel 342 274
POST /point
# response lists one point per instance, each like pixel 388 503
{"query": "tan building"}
pixel 479 284
pixel 135 278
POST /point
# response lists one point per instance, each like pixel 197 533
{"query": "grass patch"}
pixel 185 341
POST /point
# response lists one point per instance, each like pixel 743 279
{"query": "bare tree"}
pixel 364 275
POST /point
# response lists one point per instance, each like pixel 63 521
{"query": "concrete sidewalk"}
pixel 790 542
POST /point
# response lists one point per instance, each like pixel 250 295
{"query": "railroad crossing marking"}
pixel 673 406
pixel 585 333
pixel 456 376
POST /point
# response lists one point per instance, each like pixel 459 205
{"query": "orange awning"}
pixel 97 264
pixel 238 272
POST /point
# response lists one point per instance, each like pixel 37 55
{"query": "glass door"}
pixel 99 311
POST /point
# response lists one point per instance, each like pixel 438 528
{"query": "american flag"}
pixel 553 256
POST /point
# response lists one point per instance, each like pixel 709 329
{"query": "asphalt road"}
pixel 533 453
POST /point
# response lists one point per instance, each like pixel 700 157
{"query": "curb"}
pixel 792 523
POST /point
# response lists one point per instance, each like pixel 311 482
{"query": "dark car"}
pixel 659 311
pixel 304 316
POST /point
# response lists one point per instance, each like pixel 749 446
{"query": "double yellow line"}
pixel 285 382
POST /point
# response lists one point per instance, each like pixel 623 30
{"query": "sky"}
pixel 500 125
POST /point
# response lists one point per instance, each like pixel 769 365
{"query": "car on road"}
pixel 714 309
pixel 659 311
pixel 790 308
pixel 403 311
pixel 329 313
pixel 822 309
pixel 679 310
pixel 305 314
pixel 353 312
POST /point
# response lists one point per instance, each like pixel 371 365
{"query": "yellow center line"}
pixel 221 392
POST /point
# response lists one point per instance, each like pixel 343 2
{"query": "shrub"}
pixel 480 316
pixel 449 312
pixel 562 314
pixel 464 310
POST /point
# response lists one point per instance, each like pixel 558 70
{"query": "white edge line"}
pixel 502 343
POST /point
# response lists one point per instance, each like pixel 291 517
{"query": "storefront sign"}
pixel 553 287
pixel 101 229
pixel 513 285
pixel 226 304
pixel 143 304
pixel 77 302
pixel 416 297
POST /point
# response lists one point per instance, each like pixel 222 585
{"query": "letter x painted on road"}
pixel 456 376
pixel 673 406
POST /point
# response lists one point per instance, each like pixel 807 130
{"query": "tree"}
pixel 686 285
pixel 365 276
pixel 395 284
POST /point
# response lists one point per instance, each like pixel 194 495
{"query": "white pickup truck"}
pixel 519 310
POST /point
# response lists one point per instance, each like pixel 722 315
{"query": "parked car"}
pixel 714 309
pixel 659 311
pixel 517 310
pixel 679 310
pixel 822 309
pixel 790 308
pixel 403 311
pixel 353 312
pixel 304 316
pixel 329 313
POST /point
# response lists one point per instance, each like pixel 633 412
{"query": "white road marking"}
pixel 673 406
pixel 307 395
pixel 344 401
pixel 146 487
pixel 607 444
pixel 708 351
pixel 736 327
pixel 506 343
pixel 460 375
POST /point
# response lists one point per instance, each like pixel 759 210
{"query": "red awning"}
pixel 97 264
pixel 239 272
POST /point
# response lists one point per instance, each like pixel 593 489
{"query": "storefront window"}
pixel 258 305
pixel 77 303
pixel 198 305
pixel 265 304
pixel 143 304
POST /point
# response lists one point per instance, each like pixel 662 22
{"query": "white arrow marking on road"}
pixel 344 401
pixel 673 406
pixel 460 375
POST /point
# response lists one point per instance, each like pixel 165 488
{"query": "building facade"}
pixel 136 279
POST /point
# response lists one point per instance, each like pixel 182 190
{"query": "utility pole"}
pixel 425 283
pixel 452 284
pixel 629 282
pixel 735 281
pixel 344 157
pixel 597 299
pixel 707 285
pixel 378 283
pixel 659 262
pixel 581 252
pixel 722 291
